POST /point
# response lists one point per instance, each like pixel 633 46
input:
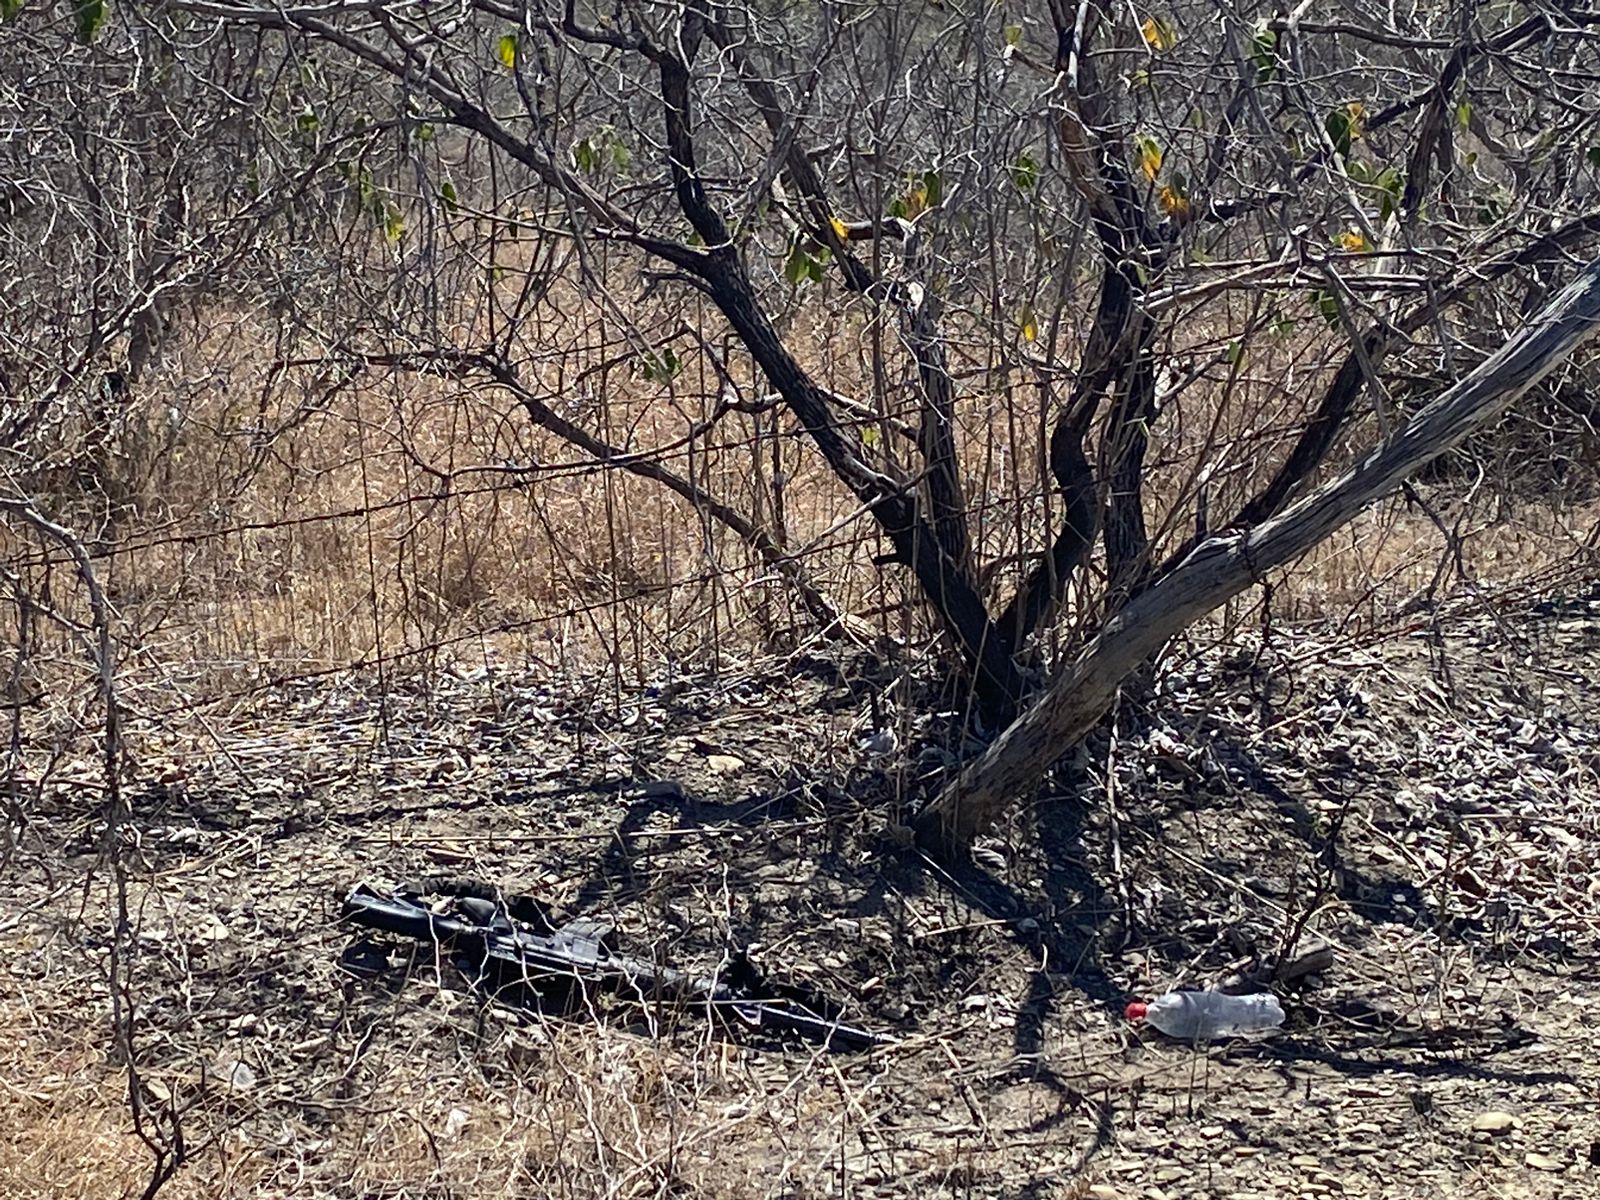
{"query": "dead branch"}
pixel 1222 567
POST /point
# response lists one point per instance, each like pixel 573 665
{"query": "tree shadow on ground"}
pixel 1288 1052
pixel 1070 920
pixel 616 874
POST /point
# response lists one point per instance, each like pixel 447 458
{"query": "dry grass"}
pixel 582 1112
pixel 377 519
pixel 419 1098
pixel 378 524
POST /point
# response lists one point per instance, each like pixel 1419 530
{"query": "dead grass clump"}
pixel 276 512
pixel 64 1111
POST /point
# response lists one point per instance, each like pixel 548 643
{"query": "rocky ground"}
pixel 1409 827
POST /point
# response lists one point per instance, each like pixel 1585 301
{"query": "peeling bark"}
pixel 1008 773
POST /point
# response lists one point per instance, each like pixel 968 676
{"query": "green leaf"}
pixel 585 156
pixel 1464 113
pixel 798 265
pixel 9 9
pixel 1236 353
pixel 620 158
pixel 1013 36
pixel 1594 157
pixel 933 183
pixel 447 194
pixel 661 367
pixel 1392 185
pixel 1341 130
pixel 505 50
pixel 307 122
pixel 425 133
pixel 1025 172
pixel 90 15
pixel 1264 53
pixel 1326 305
pixel 394 224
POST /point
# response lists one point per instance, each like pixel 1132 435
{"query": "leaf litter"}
pixel 1400 837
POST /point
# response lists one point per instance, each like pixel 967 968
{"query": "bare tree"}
pixel 1073 300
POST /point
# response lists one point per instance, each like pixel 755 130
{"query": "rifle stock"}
pixel 559 971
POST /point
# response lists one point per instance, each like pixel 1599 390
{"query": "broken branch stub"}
pixel 1009 772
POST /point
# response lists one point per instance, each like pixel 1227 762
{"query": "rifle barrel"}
pixel 518 957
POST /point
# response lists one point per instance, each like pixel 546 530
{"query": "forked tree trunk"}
pixel 1009 772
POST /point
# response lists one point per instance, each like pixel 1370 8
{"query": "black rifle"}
pixel 561 970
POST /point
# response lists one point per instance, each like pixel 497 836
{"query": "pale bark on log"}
pixel 1009 772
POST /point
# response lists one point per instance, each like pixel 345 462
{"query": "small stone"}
pixel 724 764
pixel 1494 1122
pixel 1103 1191
pixel 1304 1160
pixel 238 1077
pixel 1169 1174
pixel 1543 1162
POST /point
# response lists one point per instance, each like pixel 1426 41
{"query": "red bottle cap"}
pixel 1136 1010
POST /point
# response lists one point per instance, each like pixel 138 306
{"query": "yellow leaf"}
pixel 840 229
pixel 916 202
pixel 506 51
pixel 1030 324
pixel 1173 202
pixel 1358 118
pixel 1158 33
pixel 1150 156
pixel 1354 241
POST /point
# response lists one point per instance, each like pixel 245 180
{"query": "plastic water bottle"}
pixel 1204 1016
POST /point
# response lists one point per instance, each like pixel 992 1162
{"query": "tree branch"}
pixel 1221 567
